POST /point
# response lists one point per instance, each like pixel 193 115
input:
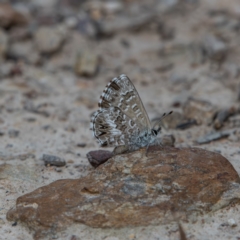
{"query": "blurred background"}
pixel 56 57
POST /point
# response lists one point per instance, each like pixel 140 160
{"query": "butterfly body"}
pixel 144 139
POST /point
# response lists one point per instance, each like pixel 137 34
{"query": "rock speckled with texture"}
pixel 133 190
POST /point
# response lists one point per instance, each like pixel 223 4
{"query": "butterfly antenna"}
pixel 162 117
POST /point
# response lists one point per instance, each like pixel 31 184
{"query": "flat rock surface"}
pixel 133 190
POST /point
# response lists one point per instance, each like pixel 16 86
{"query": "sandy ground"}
pixel 66 101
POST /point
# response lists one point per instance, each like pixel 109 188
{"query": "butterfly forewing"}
pixel 121 93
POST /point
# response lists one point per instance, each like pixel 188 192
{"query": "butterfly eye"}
pixel 154 132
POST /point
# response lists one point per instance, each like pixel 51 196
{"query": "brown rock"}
pixel 52 160
pixel 222 116
pixel 6 67
pixel 168 140
pixel 133 190
pixel 213 136
pixel 3 44
pixel 24 51
pixel 98 157
pixel 238 93
pixel 49 39
pixel 86 64
pixel 201 111
pixel 215 48
pixel 121 23
pixel 9 16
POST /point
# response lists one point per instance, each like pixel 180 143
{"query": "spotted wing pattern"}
pixel 121 116
pixel 112 127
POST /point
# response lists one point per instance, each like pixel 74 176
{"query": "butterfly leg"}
pixel 147 150
pixel 120 149
pixel 157 142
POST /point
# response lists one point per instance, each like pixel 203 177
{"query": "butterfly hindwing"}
pixel 112 127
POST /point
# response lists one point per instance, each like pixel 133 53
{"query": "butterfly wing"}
pixel 112 127
pixel 122 115
pixel 121 93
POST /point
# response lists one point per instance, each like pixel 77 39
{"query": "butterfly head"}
pixel 155 131
pixel 157 126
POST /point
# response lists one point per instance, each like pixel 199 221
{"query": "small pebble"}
pixel 77 165
pixel 98 157
pixel 125 43
pixel 186 124
pixel 13 133
pixel 86 64
pixel 238 93
pixel 212 137
pixel 168 140
pixel 53 160
pixel 200 110
pixel 9 146
pixel 49 40
pixel 232 223
pixel 74 237
pixel 30 119
pixel 215 48
pixel 81 145
pixel 5 68
pixel 14 224
pixel 233 138
pixel 111 7
pixel 222 116
pixel 57 169
pixel 3 43
pixel 71 22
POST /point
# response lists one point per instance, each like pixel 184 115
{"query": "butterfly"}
pixel 122 119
